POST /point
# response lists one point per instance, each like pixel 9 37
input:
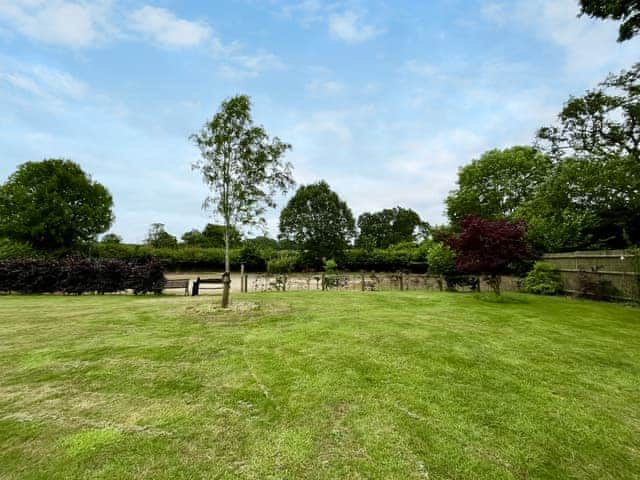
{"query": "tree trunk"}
pixel 226 276
pixel 494 282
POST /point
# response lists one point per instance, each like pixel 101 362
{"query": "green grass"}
pixel 318 385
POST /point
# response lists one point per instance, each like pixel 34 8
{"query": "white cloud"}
pixel 325 87
pixel 236 65
pixel 164 28
pixel 46 82
pixel 58 22
pixel 589 45
pixel 350 28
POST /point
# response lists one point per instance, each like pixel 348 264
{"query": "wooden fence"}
pixel 616 268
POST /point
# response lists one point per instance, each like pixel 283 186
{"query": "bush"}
pixel 12 249
pixel 543 279
pixel 76 275
pixel 283 264
pixel 406 258
pixel 442 260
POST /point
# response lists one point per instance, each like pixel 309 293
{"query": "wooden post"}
pixel 242 290
pixel 226 282
pixel 323 283
pixel 362 279
pixel 246 282
pixel 196 287
pixel 401 281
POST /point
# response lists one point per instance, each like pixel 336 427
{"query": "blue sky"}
pixel 384 99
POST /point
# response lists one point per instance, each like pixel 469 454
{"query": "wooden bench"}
pixel 178 283
pixel 201 284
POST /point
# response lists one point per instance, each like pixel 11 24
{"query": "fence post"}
pixel 246 282
pixel 362 279
pixel 242 290
pixel 195 290
pixel 401 281
pixel 323 283
pixel 226 284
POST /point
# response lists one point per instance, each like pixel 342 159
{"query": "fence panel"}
pixel 616 268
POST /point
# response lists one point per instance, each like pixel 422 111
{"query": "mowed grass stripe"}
pixel 319 385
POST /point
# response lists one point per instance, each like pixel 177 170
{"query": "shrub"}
pixel 442 260
pixel 76 275
pixel 283 264
pixel 543 279
pixel 253 258
pixel 12 249
pixel 330 266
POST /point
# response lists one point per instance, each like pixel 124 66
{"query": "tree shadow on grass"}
pixel 504 298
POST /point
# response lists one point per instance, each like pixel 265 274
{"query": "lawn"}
pixel 318 385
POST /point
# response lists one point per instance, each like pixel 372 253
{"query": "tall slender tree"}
pixel 243 168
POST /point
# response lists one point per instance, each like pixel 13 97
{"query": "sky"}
pixel 384 99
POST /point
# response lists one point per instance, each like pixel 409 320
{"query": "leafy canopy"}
pixel 158 237
pixel 318 222
pixel 211 237
pixel 591 198
pixel 497 183
pixel 389 227
pixel 628 11
pixel 53 204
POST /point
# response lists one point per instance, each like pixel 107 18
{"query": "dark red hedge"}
pixel 76 275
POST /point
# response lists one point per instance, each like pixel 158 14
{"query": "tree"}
pixel 158 237
pixel 53 204
pixel 388 227
pixel 317 222
pixel 585 204
pixel 243 168
pixel 591 199
pixel 497 183
pixel 489 247
pixel 111 238
pixel 628 11
pixel 211 237
pixel 602 124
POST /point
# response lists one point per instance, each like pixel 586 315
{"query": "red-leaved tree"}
pixel 489 247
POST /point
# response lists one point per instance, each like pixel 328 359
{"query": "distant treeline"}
pixel 407 257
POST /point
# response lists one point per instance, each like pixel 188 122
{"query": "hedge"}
pixel 76 275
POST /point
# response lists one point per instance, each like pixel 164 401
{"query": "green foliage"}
pixel 411 258
pixel 193 258
pixel 389 227
pixel 318 223
pixel 253 258
pixel 330 266
pixel 591 197
pixel 53 204
pixel 543 279
pixel 211 237
pixel 496 184
pixel 627 11
pixel 11 249
pixel 158 237
pixel 282 264
pixel 442 260
pixel 242 166
pixel 111 238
